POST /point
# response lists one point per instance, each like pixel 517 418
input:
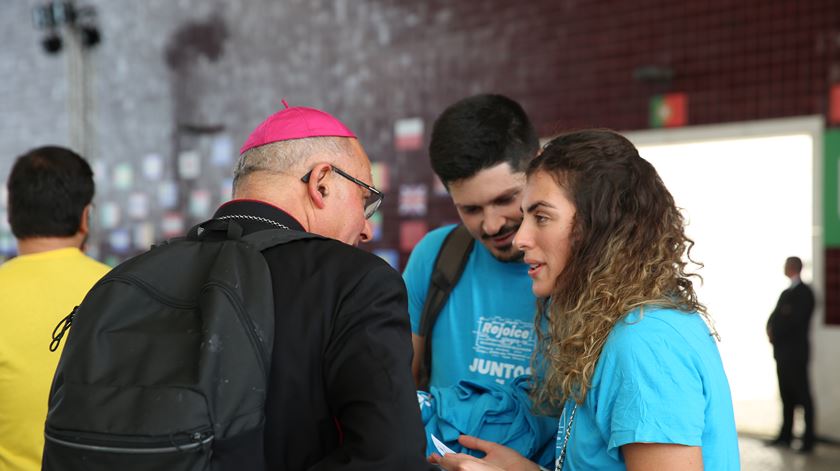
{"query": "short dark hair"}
pixel 795 263
pixel 480 132
pixel 49 188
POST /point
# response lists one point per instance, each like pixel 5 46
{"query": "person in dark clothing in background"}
pixel 788 330
pixel 341 394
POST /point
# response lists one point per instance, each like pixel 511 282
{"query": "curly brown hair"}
pixel 629 250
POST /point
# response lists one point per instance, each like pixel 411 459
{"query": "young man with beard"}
pixel 480 147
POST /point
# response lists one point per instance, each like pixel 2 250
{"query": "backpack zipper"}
pixel 196 440
pixel 168 300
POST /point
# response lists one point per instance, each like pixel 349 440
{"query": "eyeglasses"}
pixel 373 200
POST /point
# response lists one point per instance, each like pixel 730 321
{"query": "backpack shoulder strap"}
pixel 262 240
pixel 449 266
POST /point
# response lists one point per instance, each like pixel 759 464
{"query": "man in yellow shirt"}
pixel 50 193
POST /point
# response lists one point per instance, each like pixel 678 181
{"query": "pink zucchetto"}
pixel 296 122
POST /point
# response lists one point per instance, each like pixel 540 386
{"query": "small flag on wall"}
pixel 408 134
pixel 172 224
pixel 167 194
pixel 138 205
pixel 410 233
pixel 222 153
pixel 669 111
pixel 200 201
pixel 189 164
pixel 123 176
pixel 413 200
pixel 834 104
pixel 153 167
pixel 381 176
pixel 120 240
pixel 109 215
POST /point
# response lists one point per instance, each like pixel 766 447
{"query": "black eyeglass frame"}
pixel 373 201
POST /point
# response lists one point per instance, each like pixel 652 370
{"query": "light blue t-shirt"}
pixel 660 380
pixel 485 332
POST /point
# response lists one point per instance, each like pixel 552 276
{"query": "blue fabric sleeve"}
pixel 652 388
pixel 418 272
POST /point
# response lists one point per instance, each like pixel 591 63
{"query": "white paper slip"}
pixel 443 449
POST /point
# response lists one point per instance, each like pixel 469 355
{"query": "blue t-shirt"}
pixel 485 332
pixel 660 380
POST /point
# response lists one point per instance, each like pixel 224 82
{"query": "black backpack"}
pixel 449 266
pixel 167 364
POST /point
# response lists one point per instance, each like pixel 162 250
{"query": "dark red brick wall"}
pixel 572 63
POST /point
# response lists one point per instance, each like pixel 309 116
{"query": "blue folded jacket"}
pixel 494 412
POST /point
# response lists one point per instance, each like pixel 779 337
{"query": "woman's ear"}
pixel 317 187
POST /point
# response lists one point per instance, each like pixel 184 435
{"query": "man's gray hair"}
pixel 288 156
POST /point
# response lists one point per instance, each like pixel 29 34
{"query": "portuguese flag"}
pixel 669 111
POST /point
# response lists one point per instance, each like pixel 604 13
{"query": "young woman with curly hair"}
pixel 629 362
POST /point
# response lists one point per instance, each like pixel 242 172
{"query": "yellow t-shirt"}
pixel 36 292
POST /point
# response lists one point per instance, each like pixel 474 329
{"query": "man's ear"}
pixel 317 188
pixel 84 224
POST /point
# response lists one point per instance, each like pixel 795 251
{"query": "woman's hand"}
pixel 462 462
pixel 497 457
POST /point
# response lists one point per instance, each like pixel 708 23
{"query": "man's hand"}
pixel 496 457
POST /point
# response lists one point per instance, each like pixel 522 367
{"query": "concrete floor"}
pixel 756 456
